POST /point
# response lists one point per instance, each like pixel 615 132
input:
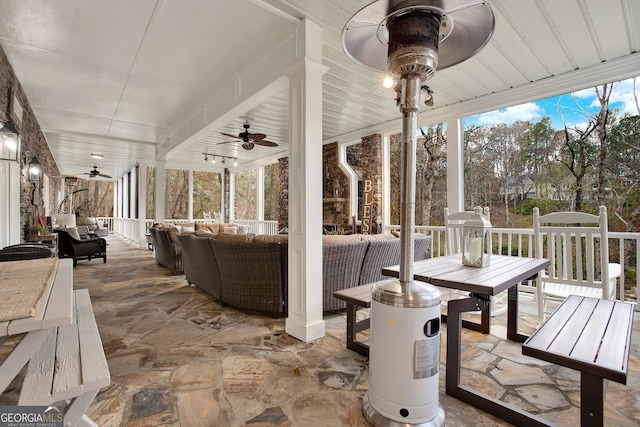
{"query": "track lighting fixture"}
pixel 223 159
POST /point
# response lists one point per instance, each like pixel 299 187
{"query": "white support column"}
pixel 260 198
pixel 142 202
pixel 190 192
pixel 232 196
pixel 133 185
pixel 158 193
pixel 455 165
pixel 304 319
pixel 125 195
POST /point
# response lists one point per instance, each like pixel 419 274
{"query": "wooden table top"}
pixel 448 272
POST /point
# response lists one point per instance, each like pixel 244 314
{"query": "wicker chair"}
pixel 70 247
pixel 200 266
pixel 252 275
pixel 168 252
pixel 341 266
pixel 383 253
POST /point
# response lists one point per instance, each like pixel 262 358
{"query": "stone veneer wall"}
pixel 335 189
pixel 226 196
pixel 372 169
pixel 283 191
pixel 32 144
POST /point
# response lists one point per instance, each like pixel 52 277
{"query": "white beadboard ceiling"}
pixel 121 77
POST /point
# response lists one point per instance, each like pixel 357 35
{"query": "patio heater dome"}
pixel 410 40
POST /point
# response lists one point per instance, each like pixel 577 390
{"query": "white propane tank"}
pixel 404 356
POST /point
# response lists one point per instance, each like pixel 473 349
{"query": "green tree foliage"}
pixel 245 201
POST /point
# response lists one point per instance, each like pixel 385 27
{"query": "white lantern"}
pixel 476 240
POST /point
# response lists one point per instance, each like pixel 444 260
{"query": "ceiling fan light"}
pixel 213 160
pixel 235 162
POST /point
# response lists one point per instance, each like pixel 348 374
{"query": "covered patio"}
pixel 203 364
pixel 172 87
pixel 127 100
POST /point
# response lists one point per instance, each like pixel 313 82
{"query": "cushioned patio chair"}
pixel 70 247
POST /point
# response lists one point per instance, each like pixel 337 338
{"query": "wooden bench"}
pixel 69 367
pixel 359 296
pixel 592 336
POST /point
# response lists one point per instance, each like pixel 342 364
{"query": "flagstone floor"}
pixel 177 358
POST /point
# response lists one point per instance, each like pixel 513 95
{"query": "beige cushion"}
pixel 203 232
pixel 188 228
pixel 227 237
pixel 212 227
pixel 173 234
pixel 269 238
pixel 378 236
pixel 231 230
pixel 338 239
pixel 89 222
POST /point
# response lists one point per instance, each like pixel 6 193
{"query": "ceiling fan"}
pixel 249 140
pixel 95 172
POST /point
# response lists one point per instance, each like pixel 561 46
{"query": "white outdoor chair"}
pixel 453 234
pixel 578 246
pixel 207 217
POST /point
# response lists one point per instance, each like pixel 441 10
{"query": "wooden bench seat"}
pixel 70 366
pixel 592 336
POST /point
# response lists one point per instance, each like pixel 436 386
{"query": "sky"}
pixel 574 108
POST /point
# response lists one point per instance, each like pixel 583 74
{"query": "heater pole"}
pixel 410 106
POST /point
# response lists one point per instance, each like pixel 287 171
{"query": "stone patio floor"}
pixel 177 358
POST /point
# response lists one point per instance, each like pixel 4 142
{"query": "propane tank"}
pixel 404 356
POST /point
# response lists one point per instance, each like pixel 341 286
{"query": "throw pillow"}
pixel 231 230
pixel 73 232
pixel 187 228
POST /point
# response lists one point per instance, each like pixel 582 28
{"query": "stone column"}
pixel 226 196
pixel 335 194
pixel 283 191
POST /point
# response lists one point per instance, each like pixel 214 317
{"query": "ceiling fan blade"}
pixel 105 176
pixel 229 135
pixel 229 142
pixel 257 136
pixel 265 143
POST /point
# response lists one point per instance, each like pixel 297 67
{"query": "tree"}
pixel 430 167
pixel 603 93
pixel 577 155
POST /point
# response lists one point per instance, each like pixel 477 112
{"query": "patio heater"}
pixel 410 40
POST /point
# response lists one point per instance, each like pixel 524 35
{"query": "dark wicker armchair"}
pixel 69 247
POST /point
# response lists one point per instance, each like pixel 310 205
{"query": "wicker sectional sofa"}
pixel 250 271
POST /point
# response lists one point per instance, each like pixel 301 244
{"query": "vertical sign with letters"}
pixel 367 201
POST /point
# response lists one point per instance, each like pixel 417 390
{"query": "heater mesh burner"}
pixel 465 27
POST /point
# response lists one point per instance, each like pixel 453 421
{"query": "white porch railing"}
pixel 511 241
pixel 253 226
pixel 519 242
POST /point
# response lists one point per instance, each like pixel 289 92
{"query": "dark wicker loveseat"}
pixel 70 247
